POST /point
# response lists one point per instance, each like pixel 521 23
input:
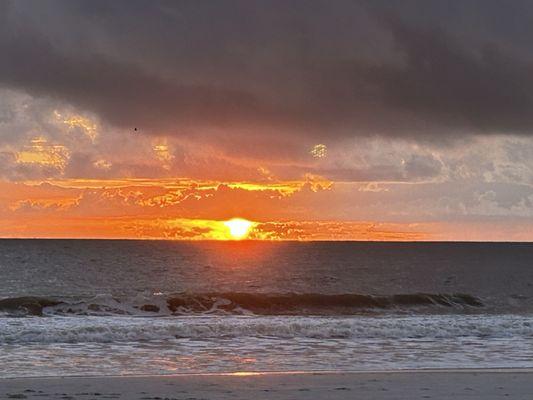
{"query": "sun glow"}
pixel 41 152
pixel 238 227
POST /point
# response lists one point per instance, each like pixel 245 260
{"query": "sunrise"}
pixel 266 199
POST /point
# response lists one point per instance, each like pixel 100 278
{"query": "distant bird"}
pixel 135 129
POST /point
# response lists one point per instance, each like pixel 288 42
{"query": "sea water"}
pixel 90 307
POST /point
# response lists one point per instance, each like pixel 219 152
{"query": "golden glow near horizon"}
pixel 176 209
pixel 319 151
pixel 238 227
pixel 43 153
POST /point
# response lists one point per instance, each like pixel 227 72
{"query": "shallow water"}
pixel 60 346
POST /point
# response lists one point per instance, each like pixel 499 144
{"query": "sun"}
pixel 238 227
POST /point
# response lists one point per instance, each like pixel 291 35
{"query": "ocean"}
pixel 111 307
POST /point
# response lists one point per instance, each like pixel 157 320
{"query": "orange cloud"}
pixel 41 152
pixel 178 209
pixel 203 229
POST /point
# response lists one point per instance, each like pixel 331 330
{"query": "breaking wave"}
pixel 234 303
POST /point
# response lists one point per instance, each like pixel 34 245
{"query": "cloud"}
pixel 292 210
pixel 249 69
pixel 453 87
pixel 423 106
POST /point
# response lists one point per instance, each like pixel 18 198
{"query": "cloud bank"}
pixel 310 68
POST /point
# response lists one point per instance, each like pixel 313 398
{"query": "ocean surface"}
pixel 105 307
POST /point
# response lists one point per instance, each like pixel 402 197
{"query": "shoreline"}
pixel 497 370
pixel 494 383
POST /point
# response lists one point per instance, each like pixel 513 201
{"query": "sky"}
pixel 314 120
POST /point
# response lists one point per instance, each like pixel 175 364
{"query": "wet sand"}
pixel 438 384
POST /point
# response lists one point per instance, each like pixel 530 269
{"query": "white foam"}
pixel 134 329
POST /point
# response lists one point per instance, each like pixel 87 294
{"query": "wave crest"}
pixel 311 303
pixel 235 303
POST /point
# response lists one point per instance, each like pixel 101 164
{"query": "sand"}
pixel 453 384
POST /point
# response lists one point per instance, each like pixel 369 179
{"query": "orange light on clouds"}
pixel 88 127
pixel 181 209
pixel 163 154
pixel 41 152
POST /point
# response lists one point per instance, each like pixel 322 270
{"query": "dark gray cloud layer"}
pixel 318 68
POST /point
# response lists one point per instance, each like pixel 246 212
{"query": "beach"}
pixel 483 384
pixel 264 321
pixel 266 200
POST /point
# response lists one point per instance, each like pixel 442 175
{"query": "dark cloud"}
pixel 483 88
pixel 312 68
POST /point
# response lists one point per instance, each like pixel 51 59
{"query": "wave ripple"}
pixel 134 329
